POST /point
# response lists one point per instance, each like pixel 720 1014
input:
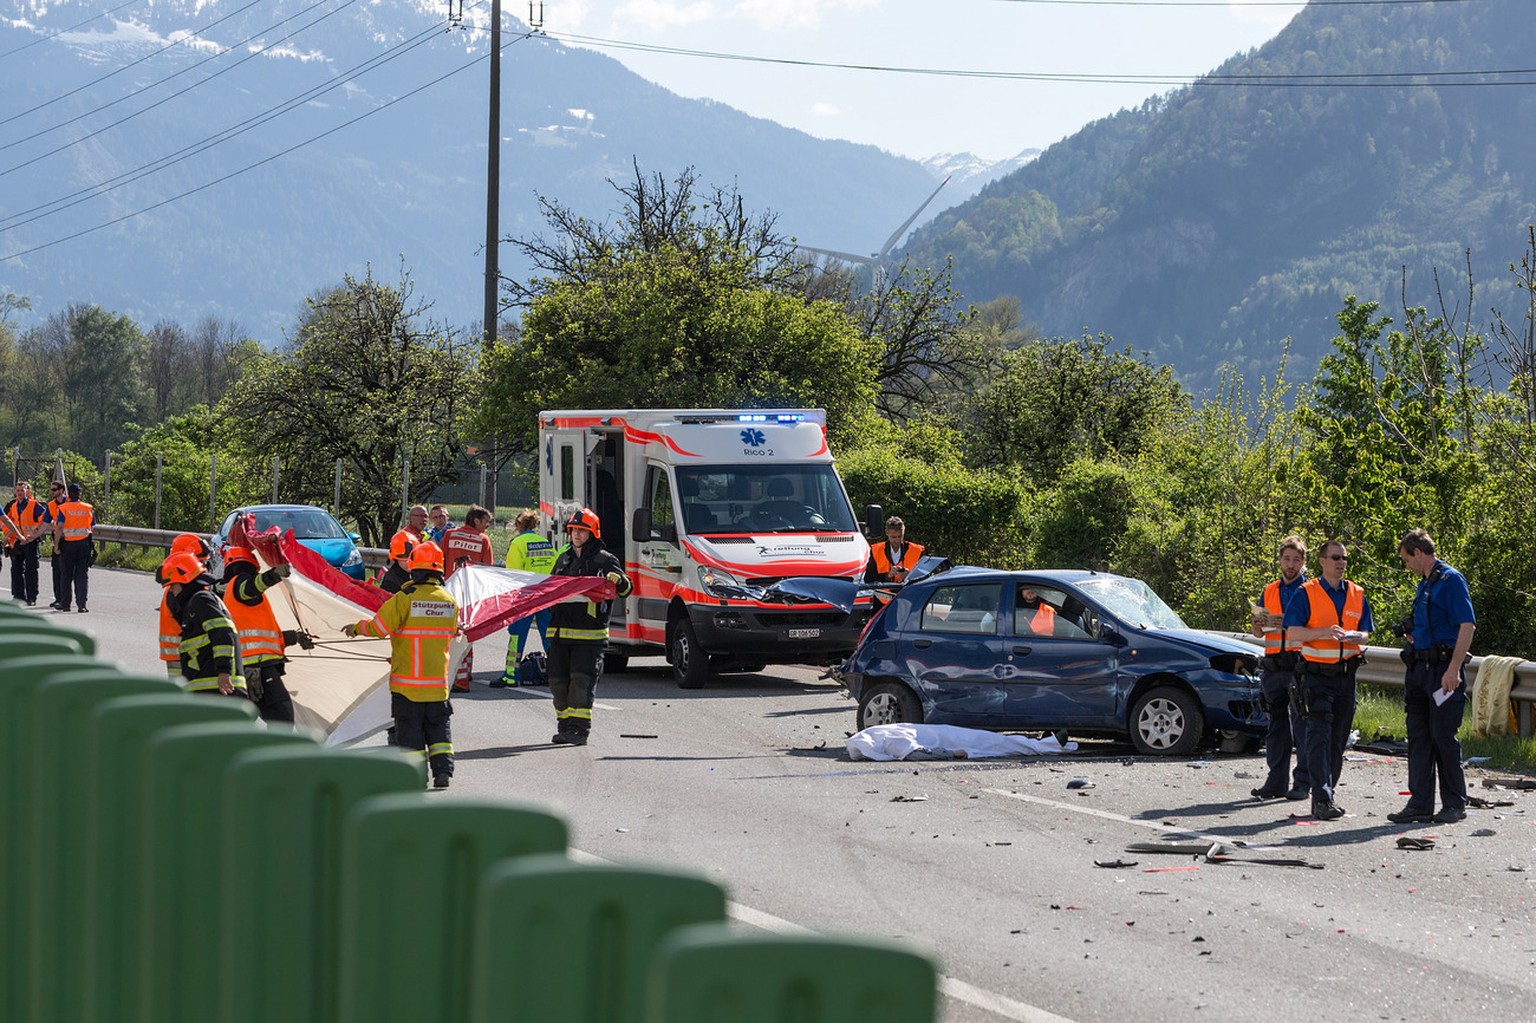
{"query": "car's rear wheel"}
pixel 690 665
pixel 889 703
pixel 1166 721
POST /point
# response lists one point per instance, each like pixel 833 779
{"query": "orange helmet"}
pixel 428 556
pixel 181 567
pixel 191 543
pixel 401 544
pixel 585 519
pixel 239 556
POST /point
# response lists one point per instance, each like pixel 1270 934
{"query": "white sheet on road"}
pixel 946 742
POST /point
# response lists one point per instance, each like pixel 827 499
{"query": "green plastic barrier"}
pixel 61 763
pixel 184 861
pixel 25 664
pixel 33 624
pixel 112 886
pixel 710 974
pixel 557 940
pixel 410 904
pixel 283 815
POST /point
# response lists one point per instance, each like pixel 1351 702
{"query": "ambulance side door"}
pixel 661 560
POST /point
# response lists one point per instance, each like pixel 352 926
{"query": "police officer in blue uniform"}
pixel 1435 685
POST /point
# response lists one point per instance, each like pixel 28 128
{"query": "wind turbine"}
pixel 879 259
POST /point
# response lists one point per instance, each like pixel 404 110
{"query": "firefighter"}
pixel 419 621
pixel 578 631
pixel 528 552
pixel 170 628
pixel 210 653
pixel 262 640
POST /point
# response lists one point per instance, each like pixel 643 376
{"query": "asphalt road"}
pixel 990 865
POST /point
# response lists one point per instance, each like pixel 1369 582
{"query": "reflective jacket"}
pixel 881 553
pixel 1323 615
pixel 1274 639
pixel 261 638
pixel 77 518
pixel 419 622
pixel 464 544
pixel 26 516
pixel 530 552
pixel 208 644
pixel 170 631
pixel 587 620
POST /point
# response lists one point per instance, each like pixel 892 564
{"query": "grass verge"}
pixel 1379 712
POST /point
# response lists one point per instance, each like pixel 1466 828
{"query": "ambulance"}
pixel 733 524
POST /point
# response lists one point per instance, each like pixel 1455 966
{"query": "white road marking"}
pixel 1161 827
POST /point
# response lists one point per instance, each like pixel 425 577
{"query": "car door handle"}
pixel 922 644
pixel 1021 649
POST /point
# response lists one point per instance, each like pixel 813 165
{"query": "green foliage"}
pixel 1053 401
pixel 187 447
pixel 101 355
pixel 956 512
pixel 362 384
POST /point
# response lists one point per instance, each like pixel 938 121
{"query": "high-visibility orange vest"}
pixel 25 518
pixel 419 623
pixel 261 638
pixel 1273 638
pixel 77 517
pixel 1322 614
pixel 1043 622
pixel 909 555
pixel 170 631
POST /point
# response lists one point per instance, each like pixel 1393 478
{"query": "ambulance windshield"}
pixel 763 499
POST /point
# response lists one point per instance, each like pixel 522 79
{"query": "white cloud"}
pixel 825 109
pixel 662 15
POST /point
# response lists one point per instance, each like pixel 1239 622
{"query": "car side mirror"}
pixel 874 521
pixel 641 526
pixel 356 537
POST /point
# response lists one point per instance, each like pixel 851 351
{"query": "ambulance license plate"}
pixel 804 633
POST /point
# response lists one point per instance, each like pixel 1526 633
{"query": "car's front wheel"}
pixel 690 665
pixel 1166 721
pixel 889 703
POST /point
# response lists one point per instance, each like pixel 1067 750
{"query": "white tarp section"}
pixel 946 742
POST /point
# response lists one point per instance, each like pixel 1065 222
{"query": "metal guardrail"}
pixel 1384 667
pixel 137 536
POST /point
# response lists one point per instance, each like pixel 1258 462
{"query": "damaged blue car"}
pixel 1090 653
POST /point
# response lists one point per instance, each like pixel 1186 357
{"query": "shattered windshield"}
pixel 1132 601
pixel 763 499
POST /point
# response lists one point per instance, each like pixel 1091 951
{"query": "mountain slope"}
pixel 404 183
pixel 1211 224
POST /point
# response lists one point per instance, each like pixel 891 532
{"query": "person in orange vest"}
pixel 419 621
pixel 262 640
pixel 467 545
pixel 210 653
pixel 24 522
pixel 1287 728
pixel 1331 620
pixel 405 540
pixel 892 559
pixel 52 514
pixel 1035 613
pixel 170 628
pixel 72 540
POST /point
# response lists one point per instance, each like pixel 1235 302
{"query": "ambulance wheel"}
pixel 690 665
pixel 614 663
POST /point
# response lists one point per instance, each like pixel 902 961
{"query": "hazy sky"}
pixel 920 114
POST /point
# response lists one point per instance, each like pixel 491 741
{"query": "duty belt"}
pixel 1434 655
pixel 1278 662
pixel 1332 669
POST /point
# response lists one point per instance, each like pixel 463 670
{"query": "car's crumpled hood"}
pixel 840 593
pixel 1214 641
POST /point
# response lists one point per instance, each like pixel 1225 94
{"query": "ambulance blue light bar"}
pixel 783 417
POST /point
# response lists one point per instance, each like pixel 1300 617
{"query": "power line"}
pixel 1336 80
pixel 130 64
pixel 262 162
pixel 79 196
pixel 175 74
pixel 43 38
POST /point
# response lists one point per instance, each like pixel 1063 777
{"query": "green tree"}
pixel 187 447
pixel 100 362
pixel 676 305
pixel 364 383
pixel 1057 400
